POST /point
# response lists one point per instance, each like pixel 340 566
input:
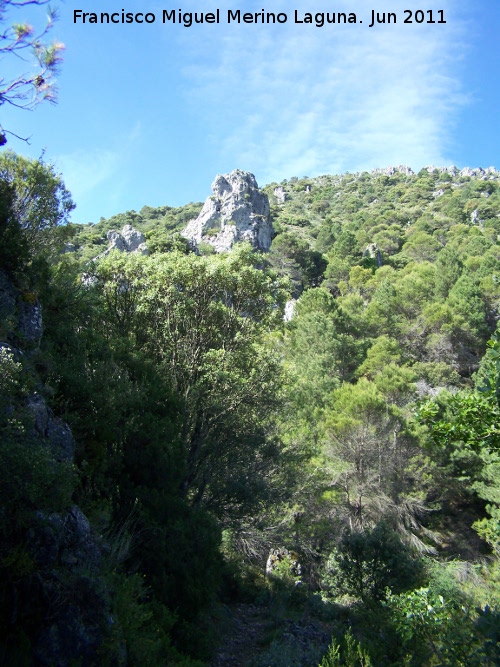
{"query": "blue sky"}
pixel 149 114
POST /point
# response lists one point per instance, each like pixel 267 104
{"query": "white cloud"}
pixel 296 99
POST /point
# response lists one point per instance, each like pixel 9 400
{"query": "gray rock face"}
pixel 453 171
pixel 65 539
pixel 390 171
pixel 116 242
pixel 134 240
pixel 479 172
pixel 280 194
pixel 237 211
pixel 7 299
pixel 55 433
pixel 128 240
pixel 30 324
pixel 289 309
pixel 64 583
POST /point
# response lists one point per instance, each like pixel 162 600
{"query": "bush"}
pixel 366 564
pixel 348 653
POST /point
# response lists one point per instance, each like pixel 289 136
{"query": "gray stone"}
pixel 60 440
pixel 79 547
pixel 45 538
pixel 490 173
pixel 116 242
pixel 128 240
pixel 142 249
pixel 280 194
pixel 55 433
pixel 277 556
pixel 289 309
pixel 453 171
pixel 7 300
pixel 38 408
pixel 390 171
pixel 29 320
pixel 237 211
pixel 133 238
pixel 72 601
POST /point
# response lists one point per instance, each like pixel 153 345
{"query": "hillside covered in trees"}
pixel 174 418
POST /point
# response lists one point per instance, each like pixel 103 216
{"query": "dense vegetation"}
pixel 362 433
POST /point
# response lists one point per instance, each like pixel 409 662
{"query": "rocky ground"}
pixel 251 636
pixel 243 635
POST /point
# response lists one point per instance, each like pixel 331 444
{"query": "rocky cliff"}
pixel 51 562
pixel 237 211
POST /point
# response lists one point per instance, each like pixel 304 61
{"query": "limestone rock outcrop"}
pixel 289 309
pixel 280 194
pixel 489 173
pixel 128 239
pixel 237 211
pixel 479 172
pixel 390 171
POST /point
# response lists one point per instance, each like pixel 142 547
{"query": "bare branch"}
pixel 29 88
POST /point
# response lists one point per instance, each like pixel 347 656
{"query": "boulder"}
pixel 237 211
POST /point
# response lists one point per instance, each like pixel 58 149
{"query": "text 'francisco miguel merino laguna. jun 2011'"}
pixel 238 16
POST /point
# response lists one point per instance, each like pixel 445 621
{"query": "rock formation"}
pixel 390 171
pixel 280 194
pixel 73 608
pixel 128 240
pixel 289 309
pixel 289 558
pixel 237 211
pixel 490 173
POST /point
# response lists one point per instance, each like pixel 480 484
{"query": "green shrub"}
pixel 366 564
pixel 348 653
